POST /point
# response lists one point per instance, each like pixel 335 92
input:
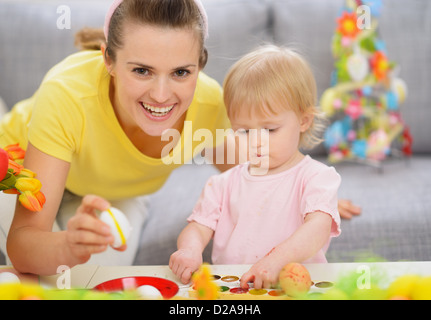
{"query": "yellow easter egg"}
pixel 400 89
pixel 402 286
pixel 422 289
pixel 119 224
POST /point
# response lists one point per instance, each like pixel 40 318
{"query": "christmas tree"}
pixel 364 99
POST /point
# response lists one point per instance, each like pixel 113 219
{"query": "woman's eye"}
pixel 182 73
pixel 141 71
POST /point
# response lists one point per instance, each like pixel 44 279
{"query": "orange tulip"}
pixel 15 152
pixel 30 201
pixel 16 167
pixel 11 191
pixel 15 179
pixel 40 196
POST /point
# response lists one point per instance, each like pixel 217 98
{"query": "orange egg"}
pixel 295 280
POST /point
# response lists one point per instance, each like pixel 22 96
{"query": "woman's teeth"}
pixel 157 112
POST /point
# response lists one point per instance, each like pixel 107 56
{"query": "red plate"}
pixel 167 288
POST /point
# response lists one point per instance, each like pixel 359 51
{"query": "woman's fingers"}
pixel 91 204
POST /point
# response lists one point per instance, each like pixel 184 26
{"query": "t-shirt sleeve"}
pixel 55 127
pixel 208 207
pixel 321 194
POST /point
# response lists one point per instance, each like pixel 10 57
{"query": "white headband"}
pixel 116 3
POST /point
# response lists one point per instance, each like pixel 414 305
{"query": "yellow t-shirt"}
pixel 71 118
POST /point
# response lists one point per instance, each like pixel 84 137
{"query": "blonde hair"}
pixel 270 80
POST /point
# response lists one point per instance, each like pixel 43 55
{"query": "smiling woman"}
pixel 145 73
pixel 96 126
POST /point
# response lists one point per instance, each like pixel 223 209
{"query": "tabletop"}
pixel 89 276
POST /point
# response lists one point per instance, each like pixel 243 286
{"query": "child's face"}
pixel 273 140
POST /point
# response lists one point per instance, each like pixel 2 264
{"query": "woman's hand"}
pixel 86 234
pixel 347 209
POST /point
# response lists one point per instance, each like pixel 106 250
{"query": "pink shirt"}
pixel 250 215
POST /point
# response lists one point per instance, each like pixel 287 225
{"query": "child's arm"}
pixel 303 244
pixel 191 243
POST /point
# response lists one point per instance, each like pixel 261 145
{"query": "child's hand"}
pixel 264 274
pixel 184 262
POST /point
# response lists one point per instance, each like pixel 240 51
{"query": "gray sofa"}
pixel 395 223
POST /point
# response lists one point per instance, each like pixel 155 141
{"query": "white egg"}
pixel 149 292
pixel 120 226
pixel 8 277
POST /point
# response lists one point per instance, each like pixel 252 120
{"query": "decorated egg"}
pixel 295 280
pixel 149 292
pixel 327 101
pixel 400 89
pixel 357 66
pixel 120 226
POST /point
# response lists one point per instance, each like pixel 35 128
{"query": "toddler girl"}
pixel 281 205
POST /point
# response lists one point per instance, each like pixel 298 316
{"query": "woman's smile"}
pixel 157 113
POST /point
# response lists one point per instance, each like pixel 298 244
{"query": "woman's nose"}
pixel 160 91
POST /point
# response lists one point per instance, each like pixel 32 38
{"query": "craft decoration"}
pixel 150 288
pixel 15 179
pixel 347 286
pixel 204 285
pixel 295 280
pixel 119 224
pixel 366 93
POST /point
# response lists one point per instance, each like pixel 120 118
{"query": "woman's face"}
pixel 154 77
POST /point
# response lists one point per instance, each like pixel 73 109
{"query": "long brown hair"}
pixel 161 13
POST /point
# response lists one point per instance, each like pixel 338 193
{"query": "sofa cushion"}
pixel 395 222
pixel 34 38
pixel 235 28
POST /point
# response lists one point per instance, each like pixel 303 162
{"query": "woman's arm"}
pixel 32 246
